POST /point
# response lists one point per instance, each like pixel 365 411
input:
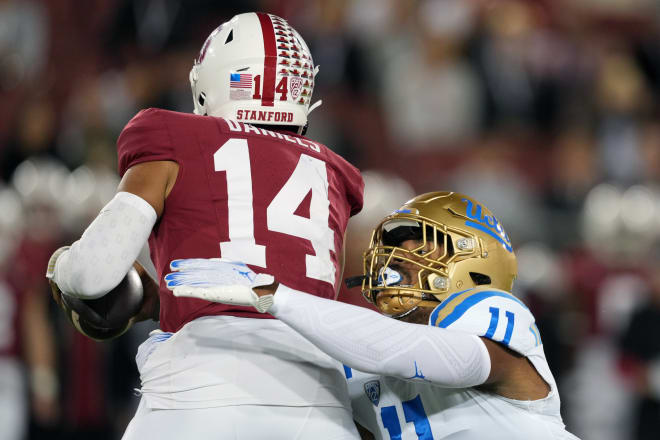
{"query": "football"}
pixel 110 316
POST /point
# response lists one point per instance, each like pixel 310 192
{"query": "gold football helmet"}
pixel 462 245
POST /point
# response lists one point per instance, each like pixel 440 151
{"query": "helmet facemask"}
pixel 400 279
pixel 434 246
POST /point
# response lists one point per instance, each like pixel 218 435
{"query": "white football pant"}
pixel 243 422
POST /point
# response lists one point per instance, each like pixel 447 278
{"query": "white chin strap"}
pixel 401 315
pixel 315 105
pixel 319 102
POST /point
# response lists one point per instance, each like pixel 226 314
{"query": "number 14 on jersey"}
pixel 310 174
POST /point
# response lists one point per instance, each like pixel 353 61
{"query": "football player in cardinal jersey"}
pixel 236 180
pixel 475 370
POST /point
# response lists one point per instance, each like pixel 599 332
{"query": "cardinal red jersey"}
pixel 274 200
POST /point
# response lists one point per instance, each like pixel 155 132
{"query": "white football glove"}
pixel 50 270
pixel 219 280
pixel 50 275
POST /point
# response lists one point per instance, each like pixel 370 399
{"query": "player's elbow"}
pixel 467 368
pixel 446 359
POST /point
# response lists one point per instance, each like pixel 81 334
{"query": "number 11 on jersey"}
pixel 414 413
pixel 310 174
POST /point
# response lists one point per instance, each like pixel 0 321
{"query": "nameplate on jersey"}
pixel 372 390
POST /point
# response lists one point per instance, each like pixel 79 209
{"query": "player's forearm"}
pixel 97 262
pixel 368 341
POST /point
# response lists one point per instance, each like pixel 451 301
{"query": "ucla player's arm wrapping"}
pixel 370 342
pixel 357 337
pixel 448 352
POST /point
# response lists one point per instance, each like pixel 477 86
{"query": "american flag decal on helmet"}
pixel 240 86
pixel 240 80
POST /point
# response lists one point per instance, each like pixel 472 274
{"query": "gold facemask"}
pixel 462 245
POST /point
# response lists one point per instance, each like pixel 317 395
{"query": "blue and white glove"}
pixel 219 280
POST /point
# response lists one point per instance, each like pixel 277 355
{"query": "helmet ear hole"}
pixel 480 279
pixel 201 99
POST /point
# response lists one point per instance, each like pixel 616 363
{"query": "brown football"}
pixel 109 316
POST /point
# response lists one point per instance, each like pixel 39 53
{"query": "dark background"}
pixel 546 111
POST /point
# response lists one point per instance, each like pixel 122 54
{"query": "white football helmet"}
pixel 255 68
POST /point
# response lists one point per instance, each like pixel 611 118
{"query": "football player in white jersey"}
pixel 475 370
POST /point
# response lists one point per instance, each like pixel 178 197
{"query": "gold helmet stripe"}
pixel 447 307
pixel 537 335
pixel 456 305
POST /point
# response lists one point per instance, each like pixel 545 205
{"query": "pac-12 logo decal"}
pixel 295 85
pixel 372 390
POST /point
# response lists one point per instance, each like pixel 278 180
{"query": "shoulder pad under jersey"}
pixel 490 313
pixel 145 138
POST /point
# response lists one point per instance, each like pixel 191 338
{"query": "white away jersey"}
pixel 399 409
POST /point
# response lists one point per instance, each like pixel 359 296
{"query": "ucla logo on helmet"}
pixel 372 390
pixel 486 223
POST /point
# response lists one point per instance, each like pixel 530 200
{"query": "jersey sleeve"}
pixel 355 189
pixel 353 183
pixel 144 139
pixel 489 313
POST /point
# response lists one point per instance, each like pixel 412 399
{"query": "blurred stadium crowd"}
pixel 547 111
